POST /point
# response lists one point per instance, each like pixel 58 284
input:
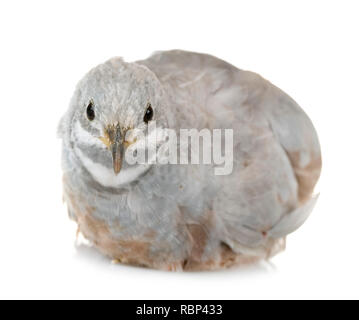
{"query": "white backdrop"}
pixel 307 48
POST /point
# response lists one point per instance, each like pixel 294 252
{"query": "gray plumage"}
pixel 178 217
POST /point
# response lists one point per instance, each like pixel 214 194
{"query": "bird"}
pixel 185 217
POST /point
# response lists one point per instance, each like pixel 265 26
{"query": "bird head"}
pixel 112 109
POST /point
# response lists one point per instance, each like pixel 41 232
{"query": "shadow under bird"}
pixel 184 216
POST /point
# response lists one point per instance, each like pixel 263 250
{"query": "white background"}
pixel 307 48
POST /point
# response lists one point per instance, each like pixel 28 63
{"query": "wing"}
pixel 278 164
pixel 297 136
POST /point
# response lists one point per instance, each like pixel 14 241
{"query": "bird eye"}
pixel 148 114
pixel 90 111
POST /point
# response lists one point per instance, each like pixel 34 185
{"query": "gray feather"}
pixel 183 216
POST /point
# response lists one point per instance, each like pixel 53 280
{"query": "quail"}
pixel 184 216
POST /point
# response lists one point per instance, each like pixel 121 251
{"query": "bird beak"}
pixel 117 152
pixel 114 140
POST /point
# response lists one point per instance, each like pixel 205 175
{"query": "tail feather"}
pixel 293 220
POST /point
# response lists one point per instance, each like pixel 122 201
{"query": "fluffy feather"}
pixel 177 217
